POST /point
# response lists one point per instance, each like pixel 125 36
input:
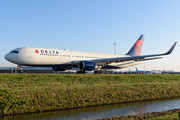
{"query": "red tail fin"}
pixel 137 47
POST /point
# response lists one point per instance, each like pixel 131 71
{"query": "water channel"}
pixel 105 111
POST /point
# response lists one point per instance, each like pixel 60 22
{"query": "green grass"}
pixel 25 93
pixel 165 115
pixel 173 116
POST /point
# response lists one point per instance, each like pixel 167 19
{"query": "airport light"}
pixel 177 67
pixel 163 66
pixel 114 48
pixel 144 67
pixel 153 66
pixel 172 66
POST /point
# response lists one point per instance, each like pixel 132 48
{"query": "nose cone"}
pixel 11 58
pixel 7 57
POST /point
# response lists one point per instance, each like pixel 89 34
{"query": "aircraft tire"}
pixel 98 72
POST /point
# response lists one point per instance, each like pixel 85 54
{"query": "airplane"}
pixel 132 72
pixel 142 71
pixel 61 60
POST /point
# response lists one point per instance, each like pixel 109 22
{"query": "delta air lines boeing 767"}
pixel 61 60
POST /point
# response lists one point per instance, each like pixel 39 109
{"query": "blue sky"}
pixel 92 25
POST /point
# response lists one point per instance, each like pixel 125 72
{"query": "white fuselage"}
pixel 49 57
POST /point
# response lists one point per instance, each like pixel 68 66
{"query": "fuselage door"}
pixel 29 55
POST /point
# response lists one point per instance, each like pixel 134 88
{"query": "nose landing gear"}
pixel 20 69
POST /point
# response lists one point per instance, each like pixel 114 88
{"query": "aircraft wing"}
pixel 136 58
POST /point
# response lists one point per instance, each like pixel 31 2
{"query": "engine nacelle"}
pixel 86 65
pixel 59 68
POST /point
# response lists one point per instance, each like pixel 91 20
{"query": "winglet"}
pixel 171 49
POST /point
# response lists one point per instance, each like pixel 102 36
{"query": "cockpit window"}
pixel 14 52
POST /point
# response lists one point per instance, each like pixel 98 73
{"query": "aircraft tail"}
pixel 137 47
pixel 136 69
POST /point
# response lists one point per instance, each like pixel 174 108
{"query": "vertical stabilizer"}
pixel 137 47
pixel 136 69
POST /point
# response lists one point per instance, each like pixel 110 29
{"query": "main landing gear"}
pixel 98 72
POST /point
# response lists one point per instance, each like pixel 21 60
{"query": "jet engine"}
pixel 86 65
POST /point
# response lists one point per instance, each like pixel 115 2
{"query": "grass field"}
pixel 164 115
pixel 26 93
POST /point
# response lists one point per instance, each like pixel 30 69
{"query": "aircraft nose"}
pixel 7 56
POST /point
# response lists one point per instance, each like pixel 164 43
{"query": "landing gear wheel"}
pixel 98 72
pixel 20 69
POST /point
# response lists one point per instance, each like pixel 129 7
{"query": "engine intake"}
pixel 86 65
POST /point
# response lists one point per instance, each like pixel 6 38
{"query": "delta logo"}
pixel 36 51
pixel 49 52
